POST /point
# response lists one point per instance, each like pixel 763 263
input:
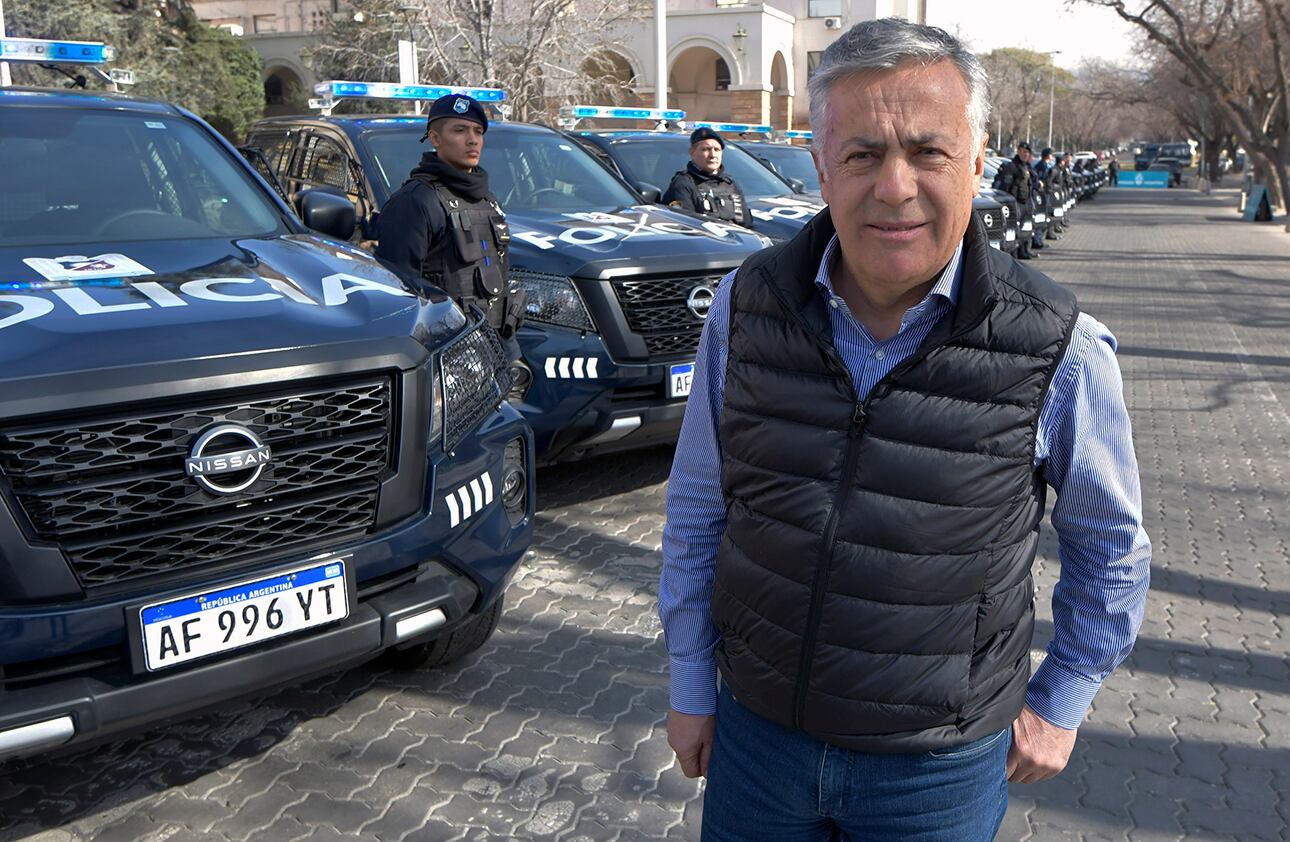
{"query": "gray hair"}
pixel 876 45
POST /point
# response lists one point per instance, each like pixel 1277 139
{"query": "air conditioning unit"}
pixel 833 23
pixel 234 29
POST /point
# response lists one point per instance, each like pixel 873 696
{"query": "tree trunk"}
pixel 1210 164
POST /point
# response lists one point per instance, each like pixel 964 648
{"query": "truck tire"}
pixel 449 647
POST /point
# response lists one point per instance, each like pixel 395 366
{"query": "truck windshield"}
pixel 654 159
pixel 74 177
pixel 791 161
pixel 527 170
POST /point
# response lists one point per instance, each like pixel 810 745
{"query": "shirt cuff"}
pixel 1060 695
pixel 694 687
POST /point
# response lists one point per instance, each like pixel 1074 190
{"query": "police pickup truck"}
pixel 617 288
pixel 234 451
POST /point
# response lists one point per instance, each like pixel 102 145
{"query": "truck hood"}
pixel 781 217
pixel 570 243
pixel 64 309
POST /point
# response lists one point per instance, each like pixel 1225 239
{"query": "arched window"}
pixel 723 75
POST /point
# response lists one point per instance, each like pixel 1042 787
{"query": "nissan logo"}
pixel 227 459
pixel 700 301
pixel 989 220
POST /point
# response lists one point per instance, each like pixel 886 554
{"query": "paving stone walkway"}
pixel 555 729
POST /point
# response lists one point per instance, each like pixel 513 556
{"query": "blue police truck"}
pixel 234 450
pixel 617 287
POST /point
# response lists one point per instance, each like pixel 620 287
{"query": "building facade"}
pixel 727 61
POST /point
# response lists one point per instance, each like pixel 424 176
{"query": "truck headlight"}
pixel 436 404
pixel 552 300
pixel 476 376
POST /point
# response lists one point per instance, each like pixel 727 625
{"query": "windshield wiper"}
pixel 255 155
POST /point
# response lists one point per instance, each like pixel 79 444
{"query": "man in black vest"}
pixel 703 186
pixel 1015 177
pixel 444 228
pixel 853 512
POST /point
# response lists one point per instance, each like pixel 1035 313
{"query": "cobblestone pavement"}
pixel 555 729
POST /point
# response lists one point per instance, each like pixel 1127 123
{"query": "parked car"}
pixel 235 451
pixel 618 287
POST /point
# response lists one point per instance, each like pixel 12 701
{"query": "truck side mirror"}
pixel 797 184
pixel 327 213
pixel 652 194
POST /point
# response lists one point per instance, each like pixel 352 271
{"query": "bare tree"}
pixel 1237 55
pixel 544 53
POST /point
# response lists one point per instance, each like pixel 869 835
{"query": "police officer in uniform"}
pixel 703 186
pixel 444 228
pixel 1015 177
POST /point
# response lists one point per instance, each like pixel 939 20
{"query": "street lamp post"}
pixel 5 81
pixel 660 54
pixel 1052 88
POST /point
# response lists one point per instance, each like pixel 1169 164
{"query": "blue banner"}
pixel 1145 178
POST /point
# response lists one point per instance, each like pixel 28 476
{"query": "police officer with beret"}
pixel 703 186
pixel 444 228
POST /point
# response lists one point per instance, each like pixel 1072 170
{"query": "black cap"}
pixel 706 133
pixel 456 105
pixel 1046 152
pixel 1024 145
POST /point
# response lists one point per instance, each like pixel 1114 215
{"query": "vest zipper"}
pixel 850 459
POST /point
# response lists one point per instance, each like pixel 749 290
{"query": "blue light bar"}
pixel 605 112
pixel 794 135
pixel 390 90
pixel 62 52
pixel 737 128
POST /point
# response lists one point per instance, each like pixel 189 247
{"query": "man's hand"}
pixel 691 738
pixel 1039 749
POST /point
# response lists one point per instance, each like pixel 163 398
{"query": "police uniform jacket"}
pixel 713 195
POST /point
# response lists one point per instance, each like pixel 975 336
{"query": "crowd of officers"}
pixel 1039 185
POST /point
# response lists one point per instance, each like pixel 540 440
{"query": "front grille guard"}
pixel 476 376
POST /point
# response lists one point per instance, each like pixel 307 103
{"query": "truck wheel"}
pixel 450 647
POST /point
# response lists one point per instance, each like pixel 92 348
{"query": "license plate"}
pixel 1059 213
pixel 213 622
pixel 1010 235
pixel 1027 226
pixel 1039 217
pixel 680 379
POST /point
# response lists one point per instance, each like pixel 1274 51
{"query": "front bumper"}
pixel 88 708
pixel 582 403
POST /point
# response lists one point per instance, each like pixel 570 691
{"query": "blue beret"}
pixel 456 105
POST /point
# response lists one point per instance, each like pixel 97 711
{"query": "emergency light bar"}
pixel 793 135
pixel 604 112
pixel 734 128
pixel 62 52
pixel 391 90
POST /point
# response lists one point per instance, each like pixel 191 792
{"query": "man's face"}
pixel 1026 156
pixel 706 155
pixel 458 142
pixel 898 169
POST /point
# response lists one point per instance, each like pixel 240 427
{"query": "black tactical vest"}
pixel 471 262
pixel 718 198
pixel 873 583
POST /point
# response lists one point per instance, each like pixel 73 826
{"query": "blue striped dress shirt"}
pixel 1084 447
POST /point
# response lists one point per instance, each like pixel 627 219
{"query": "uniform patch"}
pixel 461 106
pixel 79 267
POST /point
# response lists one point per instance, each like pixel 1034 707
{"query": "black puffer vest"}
pixel 873 584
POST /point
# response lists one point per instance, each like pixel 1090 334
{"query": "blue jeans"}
pixel 767 782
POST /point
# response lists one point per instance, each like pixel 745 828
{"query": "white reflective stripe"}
pixel 477 492
pixel 564 366
pixel 464 496
pixel 591 367
pixel 488 488
pixel 578 363
pixel 454 515
pixel 550 367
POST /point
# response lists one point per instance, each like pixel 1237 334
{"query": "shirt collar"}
pixel 946 286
